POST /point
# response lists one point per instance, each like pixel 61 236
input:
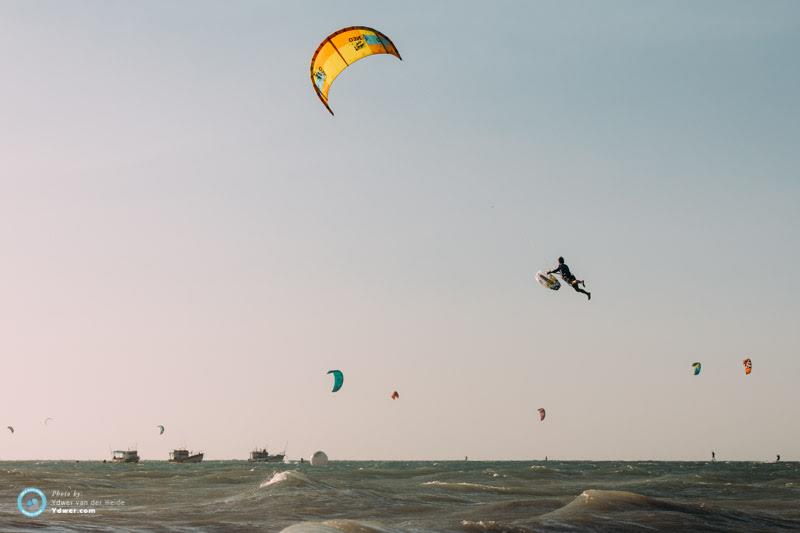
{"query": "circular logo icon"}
pixel 31 502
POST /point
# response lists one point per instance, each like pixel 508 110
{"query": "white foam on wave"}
pixel 464 486
pixel 285 477
pixel 491 526
pixel 336 526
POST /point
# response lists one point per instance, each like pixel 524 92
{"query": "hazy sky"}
pixel 188 238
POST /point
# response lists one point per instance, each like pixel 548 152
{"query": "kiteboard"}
pixel 548 280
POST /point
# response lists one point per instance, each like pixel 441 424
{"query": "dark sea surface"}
pixel 374 496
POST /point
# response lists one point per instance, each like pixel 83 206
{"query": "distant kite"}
pixel 395 395
pixel 748 366
pixel 48 419
pixel 160 429
pixel 696 367
pixel 338 379
pixel 542 414
pixel 11 429
pixel 341 49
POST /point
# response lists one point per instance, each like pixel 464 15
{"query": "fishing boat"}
pixel 183 455
pixel 125 456
pixel 263 456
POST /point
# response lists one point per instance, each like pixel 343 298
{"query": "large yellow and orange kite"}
pixel 341 49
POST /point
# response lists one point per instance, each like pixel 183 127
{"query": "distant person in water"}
pixel 713 457
pixel 568 277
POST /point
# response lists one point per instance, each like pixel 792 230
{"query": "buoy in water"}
pixel 319 459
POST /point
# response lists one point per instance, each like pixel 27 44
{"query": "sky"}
pixel 189 238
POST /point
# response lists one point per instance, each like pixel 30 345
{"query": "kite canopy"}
pixel 338 379
pixel 160 429
pixel 11 429
pixel 341 49
pixel 395 395
pixel 48 419
pixel 696 367
pixel 542 413
pixel 748 366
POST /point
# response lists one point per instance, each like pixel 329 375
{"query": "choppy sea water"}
pixel 365 497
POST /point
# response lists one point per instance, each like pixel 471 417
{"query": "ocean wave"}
pixel 286 477
pixel 398 473
pixel 518 507
pixel 629 511
pixel 337 526
pixel 613 500
pixel 281 483
pixel 490 526
pixel 632 470
pixel 467 487
pixel 541 469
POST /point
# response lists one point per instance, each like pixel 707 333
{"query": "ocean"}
pixel 377 496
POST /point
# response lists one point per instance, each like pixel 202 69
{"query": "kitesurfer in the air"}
pixel 568 277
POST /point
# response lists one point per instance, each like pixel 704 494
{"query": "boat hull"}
pixel 196 458
pixel 272 459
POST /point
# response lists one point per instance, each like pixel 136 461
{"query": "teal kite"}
pixel 338 379
pixel 160 429
pixel 696 367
